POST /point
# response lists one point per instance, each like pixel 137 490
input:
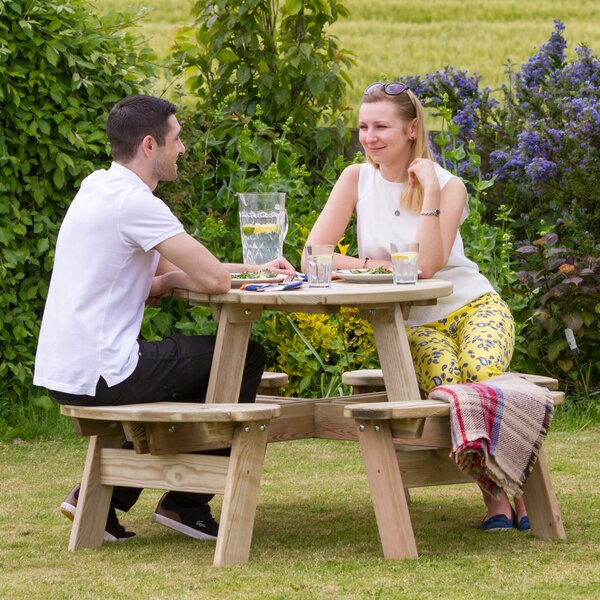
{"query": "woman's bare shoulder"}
pixel 353 169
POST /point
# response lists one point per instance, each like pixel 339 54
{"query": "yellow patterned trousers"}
pixel 473 343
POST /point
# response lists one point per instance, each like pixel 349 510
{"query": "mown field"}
pixel 391 37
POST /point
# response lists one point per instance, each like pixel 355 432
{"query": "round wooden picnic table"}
pixel 385 305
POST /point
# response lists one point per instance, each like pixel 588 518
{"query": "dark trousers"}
pixel 176 368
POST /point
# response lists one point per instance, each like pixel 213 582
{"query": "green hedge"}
pixel 61 69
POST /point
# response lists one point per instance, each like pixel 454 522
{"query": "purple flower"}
pixel 541 143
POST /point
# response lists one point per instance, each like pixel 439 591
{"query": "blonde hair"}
pixel 408 108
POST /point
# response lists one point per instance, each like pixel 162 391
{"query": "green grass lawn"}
pixel 391 37
pixel 315 535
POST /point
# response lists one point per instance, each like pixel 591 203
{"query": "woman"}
pixel 401 195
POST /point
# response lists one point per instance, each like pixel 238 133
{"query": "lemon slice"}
pixel 247 229
pixel 405 255
pixel 273 228
pixel 323 259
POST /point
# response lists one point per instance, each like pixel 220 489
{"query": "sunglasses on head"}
pixel 395 88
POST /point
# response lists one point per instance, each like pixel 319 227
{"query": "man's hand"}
pixel 159 289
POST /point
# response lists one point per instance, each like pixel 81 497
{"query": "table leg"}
pixel 233 334
pixel 394 353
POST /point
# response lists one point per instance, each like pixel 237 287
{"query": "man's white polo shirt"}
pixel 103 268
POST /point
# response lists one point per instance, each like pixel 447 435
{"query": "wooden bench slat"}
pixel 398 410
pixel 373 378
pixel 174 412
pixel 272 381
pixel 412 409
pixel 169 438
pixel 188 472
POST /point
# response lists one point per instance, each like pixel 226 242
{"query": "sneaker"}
pixel 114 531
pixel 197 521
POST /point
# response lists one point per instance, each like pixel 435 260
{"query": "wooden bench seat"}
pixel 164 434
pixel 271 381
pixel 422 459
pixel 371 380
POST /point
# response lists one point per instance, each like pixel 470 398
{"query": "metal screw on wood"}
pixel 247 429
pixel 171 428
pixel 263 427
pixel 247 312
pixel 376 428
pixel 361 427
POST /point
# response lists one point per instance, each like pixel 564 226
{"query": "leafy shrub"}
pixel 530 160
pixel 62 68
pixel 549 155
pixel 540 141
pixel 269 88
pixel 246 54
pixel 465 109
pixel 314 350
pixel 559 313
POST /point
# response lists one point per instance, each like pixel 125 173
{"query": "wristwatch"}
pixel 430 213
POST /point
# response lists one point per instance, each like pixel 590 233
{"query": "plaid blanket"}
pixel 498 427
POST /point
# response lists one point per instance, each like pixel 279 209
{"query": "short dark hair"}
pixel 132 119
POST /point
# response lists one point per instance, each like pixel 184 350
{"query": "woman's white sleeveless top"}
pixel 378 224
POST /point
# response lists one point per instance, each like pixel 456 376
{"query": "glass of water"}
pixel 320 259
pixel 405 262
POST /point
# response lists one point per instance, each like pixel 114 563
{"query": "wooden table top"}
pixel 341 293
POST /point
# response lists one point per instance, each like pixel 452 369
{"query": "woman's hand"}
pixel 279 265
pixel 422 170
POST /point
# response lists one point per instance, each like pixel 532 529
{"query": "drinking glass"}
pixel 405 262
pixel 263 226
pixel 319 258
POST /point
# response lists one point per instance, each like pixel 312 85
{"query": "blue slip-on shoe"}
pixel 497 523
pixel 523 524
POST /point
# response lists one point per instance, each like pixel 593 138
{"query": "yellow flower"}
pixel 343 248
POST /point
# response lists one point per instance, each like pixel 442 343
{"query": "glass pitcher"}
pixel 263 226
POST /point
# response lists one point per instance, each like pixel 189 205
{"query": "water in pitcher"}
pixel 263 225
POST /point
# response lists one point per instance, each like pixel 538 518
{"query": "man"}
pixel 118 248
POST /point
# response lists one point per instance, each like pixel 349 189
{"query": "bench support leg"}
pixel 94 498
pixel 387 491
pixel 241 493
pixel 541 503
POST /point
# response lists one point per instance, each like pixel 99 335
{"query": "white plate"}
pixel 364 276
pixel 237 282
